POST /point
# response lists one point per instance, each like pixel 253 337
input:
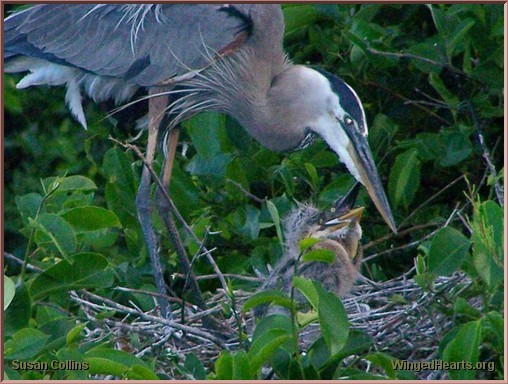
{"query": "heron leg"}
pixel 156 108
pixel 164 208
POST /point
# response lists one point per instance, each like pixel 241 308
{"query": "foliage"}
pixel 431 80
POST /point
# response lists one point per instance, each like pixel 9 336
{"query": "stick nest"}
pixel 403 319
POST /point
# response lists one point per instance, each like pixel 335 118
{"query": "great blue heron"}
pixel 192 58
pixel 338 230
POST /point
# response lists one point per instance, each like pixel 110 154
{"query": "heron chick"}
pixel 338 230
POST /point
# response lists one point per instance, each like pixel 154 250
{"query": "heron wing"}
pixel 143 45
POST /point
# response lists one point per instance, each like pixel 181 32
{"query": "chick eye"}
pixel 348 120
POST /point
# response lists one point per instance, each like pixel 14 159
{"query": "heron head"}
pixel 341 122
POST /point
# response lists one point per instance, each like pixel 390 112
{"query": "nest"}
pixel 398 314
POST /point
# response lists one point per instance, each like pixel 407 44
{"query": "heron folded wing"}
pixel 113 40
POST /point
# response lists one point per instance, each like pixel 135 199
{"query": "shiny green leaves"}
pixel 447 251
pixel 404 178
pixel 83 270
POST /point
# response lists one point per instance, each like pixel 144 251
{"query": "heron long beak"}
pixel 358 149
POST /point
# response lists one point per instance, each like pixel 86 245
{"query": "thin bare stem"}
pixel 245 192
pixel 430 199
pixel 416 57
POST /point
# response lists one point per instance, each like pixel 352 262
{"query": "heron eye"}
pixel 348 120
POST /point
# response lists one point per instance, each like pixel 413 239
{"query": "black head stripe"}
pixel 347 98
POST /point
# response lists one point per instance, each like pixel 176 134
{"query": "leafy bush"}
pixel 431 80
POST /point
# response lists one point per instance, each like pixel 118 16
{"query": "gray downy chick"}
pixel 339 231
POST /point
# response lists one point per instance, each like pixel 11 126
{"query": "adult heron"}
pixel 191 58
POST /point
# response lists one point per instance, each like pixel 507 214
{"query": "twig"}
pixel 430 199
pixel 152 294
pixel 414 243
pixel 399 234
pixel 17 260
pixel 130 311
pixel 416 57
pixel 228 275
pixel 412 102
pixel 245 192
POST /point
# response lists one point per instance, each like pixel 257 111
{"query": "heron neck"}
pixel 269 111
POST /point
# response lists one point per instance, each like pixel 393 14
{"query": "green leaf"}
pixel 427 54
pixel 306 287
pixel 306 318
pixel 204 132
pixel 267 297
pixel 83 270
pixel 459 33
pixel 438 18
pixel 384 361
pixel 86 219
pixel 299 17
pixel 74 354
pixel 494 322
pixel 310 373
pixel 25 344
pixel 295 370
pixel 18 314
pixel 28 205
pixel 264 347
pixel 274 214
pixel 224 366
pixel 271 322
pixel 54 231
pixel 9 291
pixel 69 184
pixel 447 251
pixel 247 222
pixel 308 242
pixel 428 145
pixel 103 238
pixel 319 255
pixel 194 366
pixel 58 329
pixel 74 334
pixel 488 242
pixel 457 148
pixel 121 186
pixel 280 362
pixel 118 363
pixel 404 179
pixel 357 342
pixel 314 178
pixel 140 372
pixel 213 166
pixel 382 130
pixel 461 306
pixel 464 347
pixel 333 320
pixel 183 190
pixel 241 367
pixel 102 366
pixel 443 91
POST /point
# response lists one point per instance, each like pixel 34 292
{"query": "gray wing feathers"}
pixel 106 40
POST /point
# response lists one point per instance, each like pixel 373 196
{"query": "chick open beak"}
pixel 353 216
